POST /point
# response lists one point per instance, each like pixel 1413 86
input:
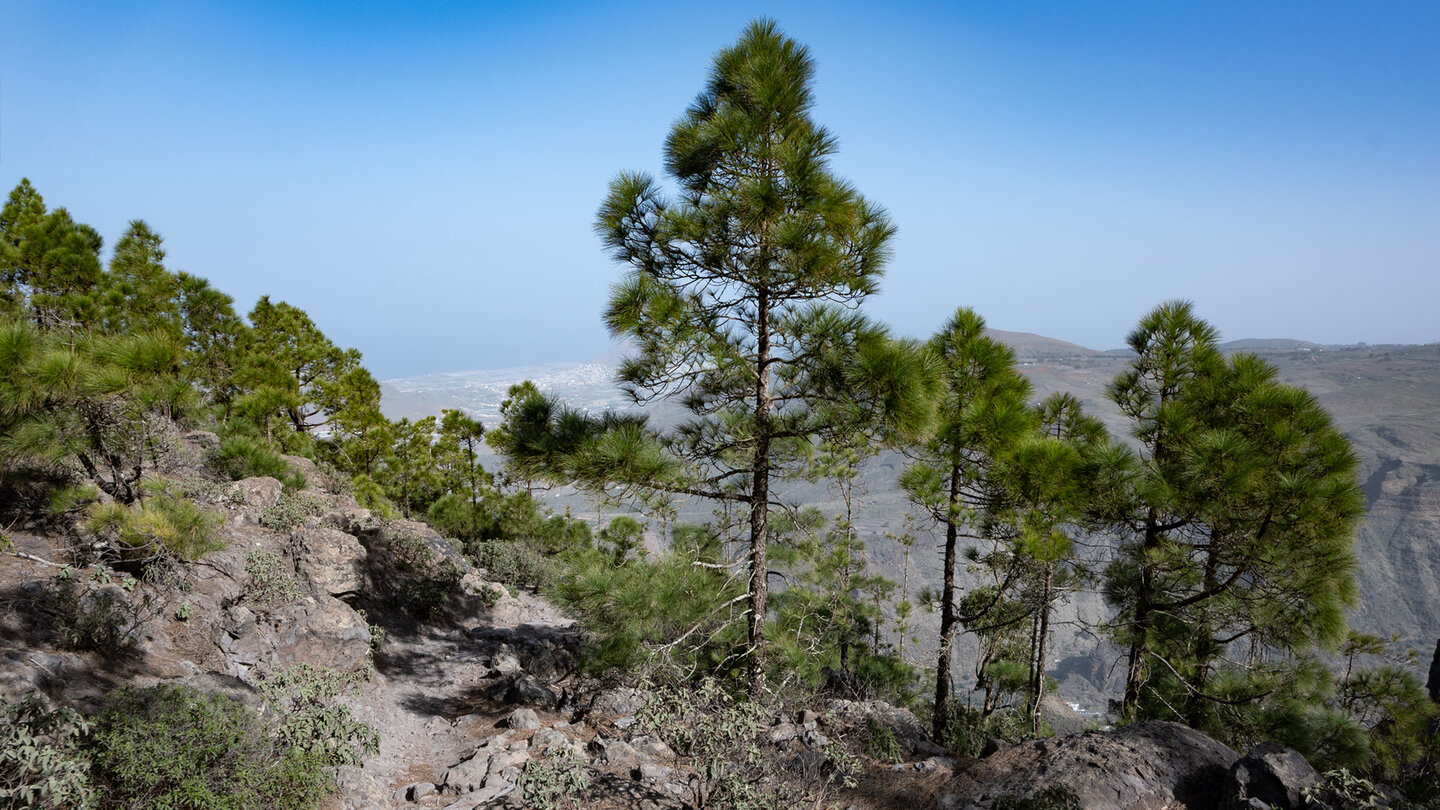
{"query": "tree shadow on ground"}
pixel 34 655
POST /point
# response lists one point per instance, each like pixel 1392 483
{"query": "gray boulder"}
pixel 1146 766
pixel 201 440
pixel 323 632
pixel 523 719
pixel 617 755
pixel 1271 774
pixel 527 690
pixel 619 702
pixel 853 716
pixel 255 495
pixel 329 561
pixel 468 776
pixel 652 746
pixel 357 790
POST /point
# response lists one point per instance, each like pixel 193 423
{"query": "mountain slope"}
pixel 1385 398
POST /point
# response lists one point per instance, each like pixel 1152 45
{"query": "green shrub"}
pixel 881 742
pixel 637 613
pixel 555 781
pixel 334 481
pixel 292 510
pixel 171 747
pixel 240 457
pixel 303 696
pixel 72 499
pixel 967 729
pixel 1340 788
pixel 718 732
pixel 429 577
pixel 517 565
pixel 160 526
pixel 371 495
pixel 89 614
pixel 42 764
pixel 270 582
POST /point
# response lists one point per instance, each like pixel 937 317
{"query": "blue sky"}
pixel 422 178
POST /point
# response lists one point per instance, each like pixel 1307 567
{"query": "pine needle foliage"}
pixel 94 405
pixel 741 298
pixel 954 476
pixel 1238 514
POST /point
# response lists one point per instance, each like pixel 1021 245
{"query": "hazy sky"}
pixel 423 182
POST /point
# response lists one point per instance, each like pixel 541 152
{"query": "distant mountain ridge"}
pixel 590 385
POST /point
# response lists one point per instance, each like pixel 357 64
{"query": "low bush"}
pixel 718 732
pixel 161 526
pixel 371 495
pixel 881 742
pixel 555 781
pixel 42 763
pixel 311 722
pixel 94 612
pixel 515 564
pixel 269 583
pixel 240 457
pixel 429 577
pixel 967 729
pixel 170 747
pixel 293 509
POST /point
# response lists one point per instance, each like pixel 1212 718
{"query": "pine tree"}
pixel 92 405
pixel 139 293
pixel 1050 479
pixel 289 369
pixel 49 263
pixel 954 477
pixel 742 291
pixel 212 332
pixel 24 209
pixel 1238 513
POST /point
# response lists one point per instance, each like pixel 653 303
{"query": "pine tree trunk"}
pixel 947 611
pixel 760 502
pixel 1433 684
pixel 1140 628
pixel 1042 645
pixel 1204 649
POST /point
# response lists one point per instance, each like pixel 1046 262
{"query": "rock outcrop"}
pixel 1145 766
pixel 1269 776
pixel 330 561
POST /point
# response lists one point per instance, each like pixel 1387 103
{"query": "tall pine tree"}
pixel 1238 515
pixel 742 294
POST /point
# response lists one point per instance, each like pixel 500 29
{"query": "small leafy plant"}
pixel 171 746
pixel 312 722
pixel 293 509
pixel 881 742
pixel 555 781
pixel 42 763
pixel 270 582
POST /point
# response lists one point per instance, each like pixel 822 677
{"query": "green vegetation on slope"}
pixel 1234 510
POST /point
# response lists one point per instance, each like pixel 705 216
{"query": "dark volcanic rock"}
pixel 1275 775
pixel 1145 766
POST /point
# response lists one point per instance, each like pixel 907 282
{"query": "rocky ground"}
pixel 488 687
